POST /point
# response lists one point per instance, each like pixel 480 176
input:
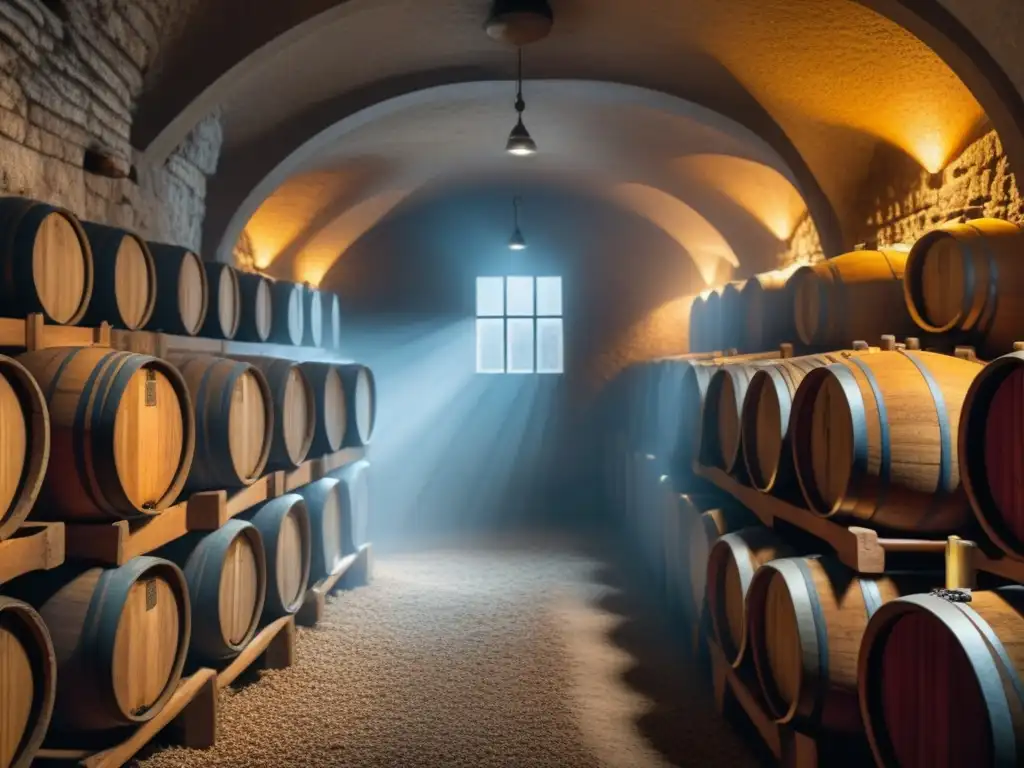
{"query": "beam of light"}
pixel 452 450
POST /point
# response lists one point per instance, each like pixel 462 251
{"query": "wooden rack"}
pixel 33 547
pixel 964 559
pixel 861 549
pixel 354 570
pixel 33 334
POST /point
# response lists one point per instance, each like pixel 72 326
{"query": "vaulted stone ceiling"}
pixel 743 102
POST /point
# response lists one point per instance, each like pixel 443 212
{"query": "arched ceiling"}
pixel 824 83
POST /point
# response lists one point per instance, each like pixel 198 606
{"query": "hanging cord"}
pixel 520 104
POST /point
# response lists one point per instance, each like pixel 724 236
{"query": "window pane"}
pixel 520 296
pixel 549 345
pixel 490 346
pixel 490 296
pixel 520 345
pixel 549 296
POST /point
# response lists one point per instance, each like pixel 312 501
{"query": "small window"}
pixel 519 325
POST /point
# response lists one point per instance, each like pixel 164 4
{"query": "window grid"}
pixel 506 316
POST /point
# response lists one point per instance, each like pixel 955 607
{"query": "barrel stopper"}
pixel 888 342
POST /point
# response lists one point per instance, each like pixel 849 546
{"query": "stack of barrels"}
pixel 912 443
pixel 94 435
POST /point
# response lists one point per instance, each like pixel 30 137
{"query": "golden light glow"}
pixel 331 242
pixel 761 191
pixel 693 232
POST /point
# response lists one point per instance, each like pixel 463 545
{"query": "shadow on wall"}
pixel 456 450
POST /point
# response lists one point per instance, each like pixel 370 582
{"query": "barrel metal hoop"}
pixel 105 418
pixel 858 414
pixel 208 452
pixel 820 682
pixel 224 449
pixel 945 432
pixel 872 595
pixel 997 647
pixel 987 314
pixel 80 433
pixel 24 241
pixel 99 631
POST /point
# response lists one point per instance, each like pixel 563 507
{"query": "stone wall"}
pixel 70 74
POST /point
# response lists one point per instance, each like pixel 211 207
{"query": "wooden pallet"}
pixel 33 547
pixel 861 549
pixel 118 542
pixel 355 570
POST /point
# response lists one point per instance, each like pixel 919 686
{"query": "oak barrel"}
pixel 25 424
pixel 182 296
pixel 257 311
pixel 360 403
pixel 28 679
pixel 120 636
pixel 294 411
pixel 991 444
pixel 696 324
pixel 700 536
pixel 649 401
pixel 768 315
pixel 764 420
pixel 968 278
pixel 122 433
pixel 854 297
pixel 329 402
pixel 680 510
pixel 224 306
pixel 313 317
pixel 940 681
pixel 226 573
pixel 722 411
pixel 875 439
pixel 706 322
pixel 284 525
pixel 45 262
pixel 330 525
pixel 287 324
pixel 234 412
pixel 355 505
pixel 805 620
pixel 731 565
pixel 733 314
pixel 124 287
pixel 332 319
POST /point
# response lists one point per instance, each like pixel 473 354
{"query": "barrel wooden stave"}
pixel 226 573
pixel 234 412
pixel 330 409
pixel 284 526
pixel 46 263
pixel 288 315
pixel 938 681
pixel 125 287
pixel 25 419
pixel 768 312
pixel 224 308
pixel 120 637
pixel 182 296
pixel 360 403
pixel 355 505
pixel 966 278
pixel 874 439
pixel 701 534
pixel 256 315
pixel 732 562
pixel 28 678
pixel 330 525
pixel 122 433
pixel 854 297
pixel 722 414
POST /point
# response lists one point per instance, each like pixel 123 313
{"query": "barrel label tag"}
pixel 151 594
pixel 150 388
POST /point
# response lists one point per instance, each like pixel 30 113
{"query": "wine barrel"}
pixel 874 439
pixel 332 320
pixel 856 296
pixel 697 331
pixel 257 311
pixel 124 288
pixel 234 412
pixel 711 321
pixel 805 620
pixel 990 446
pixel 764 420
pixel 45 262
pixel 940 681
pixel 120 636
pixel 226 573
pixel 967 277
pixel 294 411
pixel 700 536
pixel 287 318
pixel 731 565
pixel 733 313
pixel 284 525
pixel 25 420
pixel 360 403
pixel 182 295
pixel 330 413
pixel 313 317
pixel 355 505
pixel 122 433
pixel 28 678
pixel 224 309
pixel 681 510
pixel 330 526
pixel 768 313
pixel 722 411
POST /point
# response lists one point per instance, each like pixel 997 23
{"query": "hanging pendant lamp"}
pixel 517 242
pixel 520 142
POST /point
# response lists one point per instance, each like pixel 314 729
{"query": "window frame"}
pixel 505 317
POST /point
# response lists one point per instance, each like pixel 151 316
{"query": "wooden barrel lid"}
pixel 334 408
pixel 248 423
pixel 728 421
pixel 264 309
pixel 241 582
pixel 134 282
pixel 192 292
pixel 228 302
pixel 60 267
pixel 807 292
pixel 941 281
pixel 298 413
pixel 292 567
pixel 762 431
pixel 782 641
pixel 14 456
pixel 831 442
pixel 364 404
pixel 27 681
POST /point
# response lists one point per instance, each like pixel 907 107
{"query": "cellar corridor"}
pixel 530 652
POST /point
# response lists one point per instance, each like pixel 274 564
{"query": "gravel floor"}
pixel 515 655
